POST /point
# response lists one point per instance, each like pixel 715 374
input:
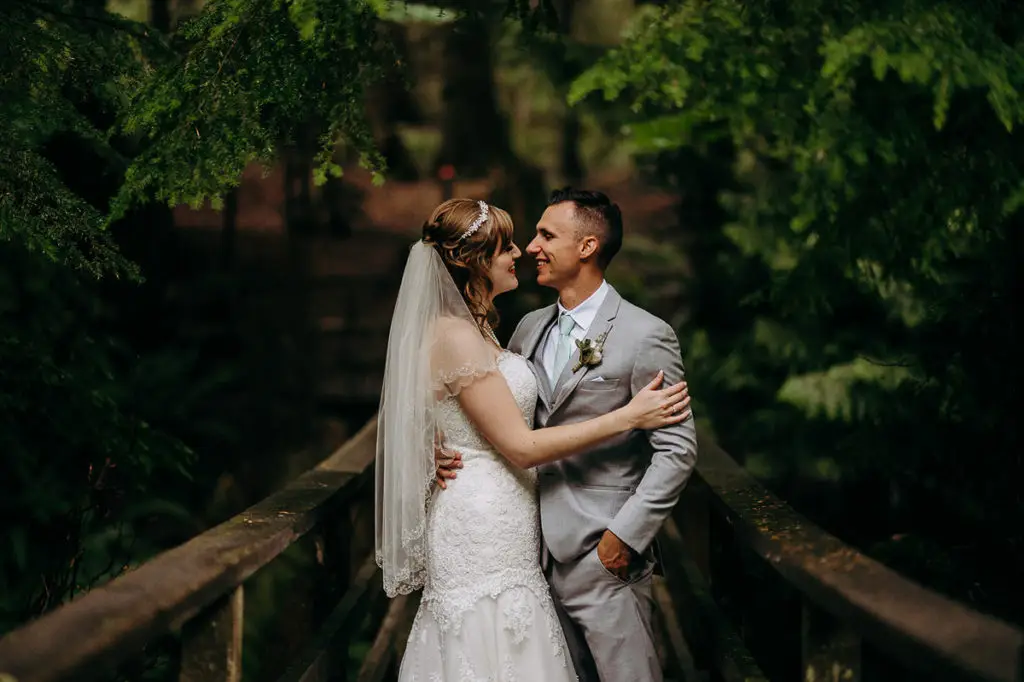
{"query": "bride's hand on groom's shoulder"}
pixel 446 461
pixel 655 407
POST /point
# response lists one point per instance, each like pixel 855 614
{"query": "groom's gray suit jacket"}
pixel 628 484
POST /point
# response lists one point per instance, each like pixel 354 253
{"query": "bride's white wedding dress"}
pixel 486 613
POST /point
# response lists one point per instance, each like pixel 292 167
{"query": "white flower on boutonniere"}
pixel 591 352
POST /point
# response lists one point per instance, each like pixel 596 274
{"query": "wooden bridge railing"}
pixel 808 607
pixel 198 589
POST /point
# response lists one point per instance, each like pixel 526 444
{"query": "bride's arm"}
pixel 489 404
pixel 459 352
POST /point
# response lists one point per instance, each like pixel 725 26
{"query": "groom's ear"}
pixel 588 247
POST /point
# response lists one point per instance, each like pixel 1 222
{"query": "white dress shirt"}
pixel 583 315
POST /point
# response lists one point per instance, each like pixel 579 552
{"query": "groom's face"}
pixel 556 246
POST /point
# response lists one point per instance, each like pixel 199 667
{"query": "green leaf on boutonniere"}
pixel 591 352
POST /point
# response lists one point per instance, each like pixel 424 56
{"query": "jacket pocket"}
pixel 606 385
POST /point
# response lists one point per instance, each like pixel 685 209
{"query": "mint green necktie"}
pixel 563 347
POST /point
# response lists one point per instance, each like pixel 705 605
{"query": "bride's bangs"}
pixel 501 232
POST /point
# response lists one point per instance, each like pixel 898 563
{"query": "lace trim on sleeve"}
pixel 460 355
pixel 450 384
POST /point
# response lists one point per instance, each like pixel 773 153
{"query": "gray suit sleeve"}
pixel 674 449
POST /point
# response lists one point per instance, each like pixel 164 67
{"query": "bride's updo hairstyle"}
pixel 468 257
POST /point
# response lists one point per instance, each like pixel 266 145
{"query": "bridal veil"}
pixel 435 348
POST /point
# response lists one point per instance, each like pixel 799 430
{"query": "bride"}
pixel 486 612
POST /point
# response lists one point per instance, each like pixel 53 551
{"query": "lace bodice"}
pixel 459 432
pixel 483 563
pixel 483 531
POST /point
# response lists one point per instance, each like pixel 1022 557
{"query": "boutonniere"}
pixel 591 352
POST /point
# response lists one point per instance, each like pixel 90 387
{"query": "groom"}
pixel 601 510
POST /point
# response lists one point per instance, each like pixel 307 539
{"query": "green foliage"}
pixel 173 122
pixel 253 73
pixel 102 115
pixel 82 460
pixel 831 392
pixel 51 65
pixel 852 176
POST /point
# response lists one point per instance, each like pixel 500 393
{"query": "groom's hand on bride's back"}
pixel 446 461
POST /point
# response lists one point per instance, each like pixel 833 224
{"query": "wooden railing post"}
pixel 212 642
pixel 336 555
pixel 830 650
pixel 347 565
pixel 360 528
pixel 693 517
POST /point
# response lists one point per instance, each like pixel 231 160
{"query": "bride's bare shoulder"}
pixel 450 324
pixel 456 331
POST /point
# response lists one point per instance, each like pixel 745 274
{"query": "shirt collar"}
pixel 585 312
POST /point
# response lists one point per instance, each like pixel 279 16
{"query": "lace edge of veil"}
pixel 412 575
pixel 445 383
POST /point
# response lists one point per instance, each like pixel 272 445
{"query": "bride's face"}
pixel 503 268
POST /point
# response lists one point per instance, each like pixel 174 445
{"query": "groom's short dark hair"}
pixel 596 215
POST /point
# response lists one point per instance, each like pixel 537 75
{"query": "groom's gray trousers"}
pixel 627 485
pixel 608 622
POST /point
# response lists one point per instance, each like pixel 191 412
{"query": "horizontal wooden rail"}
pixel 198 584
pixel 846 596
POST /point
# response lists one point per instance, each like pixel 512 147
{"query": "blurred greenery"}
pixel 850 184
pixel 128 391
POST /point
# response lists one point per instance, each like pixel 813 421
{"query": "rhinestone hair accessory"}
pixel 485 211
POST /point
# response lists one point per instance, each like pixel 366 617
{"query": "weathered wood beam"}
pixel 112 623
pixel 918 628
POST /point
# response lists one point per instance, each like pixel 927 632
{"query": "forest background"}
pixel 824 198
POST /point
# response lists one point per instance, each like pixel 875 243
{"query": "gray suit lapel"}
pixel 569 380
pixel 532 345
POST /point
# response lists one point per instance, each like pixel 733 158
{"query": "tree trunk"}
pixel 599 22
pixel 229 230
pixel 390 104
pixel 570 162
pixel 474 133
pixel 184 9
pixel 160 15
